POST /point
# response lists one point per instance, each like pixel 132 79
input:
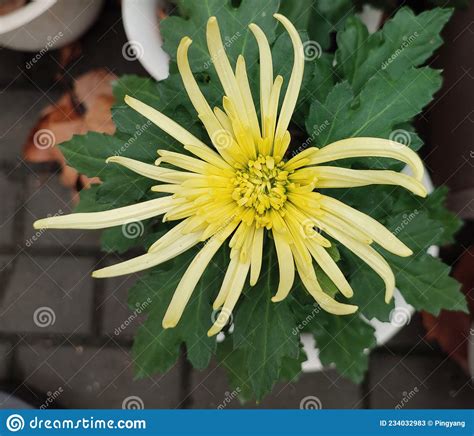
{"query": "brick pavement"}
pixel 77 360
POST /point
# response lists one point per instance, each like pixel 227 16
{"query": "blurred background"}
pixel 64 338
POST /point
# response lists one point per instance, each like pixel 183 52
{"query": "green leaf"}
pixel 369 291
pixel 406 41
pixel 122 238
pixel 88 153
pixel 415 229
pixel 233 24
pixel 434 206
pixel 88 201
pixel 318 17
pixel 156 349
pixel 235 363
pixel 343 341
pixel 265 330
pixel 139 133
pixel 425 283
pixel 383 103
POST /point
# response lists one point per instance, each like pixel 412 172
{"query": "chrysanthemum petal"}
pixel 372 227
pixel 191 277
pixel 371 258
pixel 270 120
pixel 223 67
pixel 243 82
pixel 151 171
pixel 294 85
pixel 238 281
pixel 327 264
pixel 195 95
pixel 329 304
pixel 266 69
pixel 166 124
pixel 108 218
pixel 369 147
pixel 286 267
pixel 336 177
pixel 256 256
pixel 226 283
pixel 149 260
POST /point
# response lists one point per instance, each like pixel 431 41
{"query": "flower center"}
pixel 261 185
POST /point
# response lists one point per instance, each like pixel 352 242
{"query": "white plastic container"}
pixel 47 24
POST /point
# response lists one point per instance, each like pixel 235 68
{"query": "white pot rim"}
pixel 24 15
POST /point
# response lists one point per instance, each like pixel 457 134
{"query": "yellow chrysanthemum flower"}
pixel 243 187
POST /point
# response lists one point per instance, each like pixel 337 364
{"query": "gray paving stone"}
pixel 56 289
pixel 5 356
pixel 10 73
pixel 419 382
pixel 21 112
pixel 411 335
pixel 95 377
pixel 118 319
pixel 211 390
pixel 47 197
pixel 9 192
